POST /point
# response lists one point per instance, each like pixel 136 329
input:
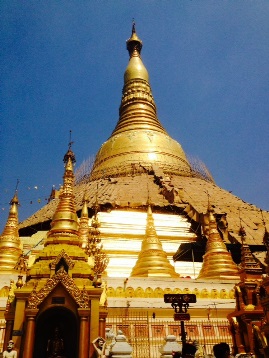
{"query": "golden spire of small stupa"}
pixel 10 250
pixel 64 224
pixel 152 260
pixel 217 261
pixel 249 266
pixel 84 229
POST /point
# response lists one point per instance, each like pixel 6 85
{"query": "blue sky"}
pixel 62 67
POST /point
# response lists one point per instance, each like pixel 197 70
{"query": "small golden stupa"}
pixel 63 242
pixel 249 267
pixel 152 260
pixel 217 261
pixel 83 230
pixel 10 243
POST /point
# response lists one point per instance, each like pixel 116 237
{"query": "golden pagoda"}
pixel 140 157
pixel 59 294
pixel 152 260
pixel 217 261
pixel 10 243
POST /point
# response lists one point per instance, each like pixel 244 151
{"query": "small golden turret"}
pixel 64 225
pixel 152 260
pixel 249 267
pixel 217 261
pixel 10 243
pixel 62 250
pixel 138 140
pixel 84 229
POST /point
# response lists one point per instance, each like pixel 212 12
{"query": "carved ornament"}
pixel 80 297
pixel 70 263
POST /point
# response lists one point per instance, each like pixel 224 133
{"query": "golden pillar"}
pixel 19 318
pixel 28 349
pixel 94 321
pixel 103 312
pixel 84 333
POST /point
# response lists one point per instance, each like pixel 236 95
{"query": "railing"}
pixel 146 334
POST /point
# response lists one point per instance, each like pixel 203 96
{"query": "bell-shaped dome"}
pixel 139 141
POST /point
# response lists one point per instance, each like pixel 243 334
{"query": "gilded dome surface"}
pixel 131 150
pixel 138 140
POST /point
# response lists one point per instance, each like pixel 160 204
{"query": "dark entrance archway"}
pixel 67 324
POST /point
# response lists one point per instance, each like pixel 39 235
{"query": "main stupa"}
pixel 139 165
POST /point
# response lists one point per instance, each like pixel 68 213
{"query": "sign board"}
pixel 180 298
pixel 58 300
pixel 182 316
pixel 17 333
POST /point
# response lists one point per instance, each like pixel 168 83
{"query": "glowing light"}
pixel 152 156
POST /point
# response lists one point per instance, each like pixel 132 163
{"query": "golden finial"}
pixel 19 283
pixel 69 154
pixel 84 210
pixel 134 44
pixel 152 259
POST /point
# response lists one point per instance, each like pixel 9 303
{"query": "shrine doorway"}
pixel 65 322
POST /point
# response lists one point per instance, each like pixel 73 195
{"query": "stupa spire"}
pixel 139 139
pixel 84 230
pixel 64 225
pixel 217 261
pixel 249 266
pixel 152 260
pixel 134 44
pixel 10 243
pixel 137 109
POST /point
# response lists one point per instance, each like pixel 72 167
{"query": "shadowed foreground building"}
pixel 164 226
